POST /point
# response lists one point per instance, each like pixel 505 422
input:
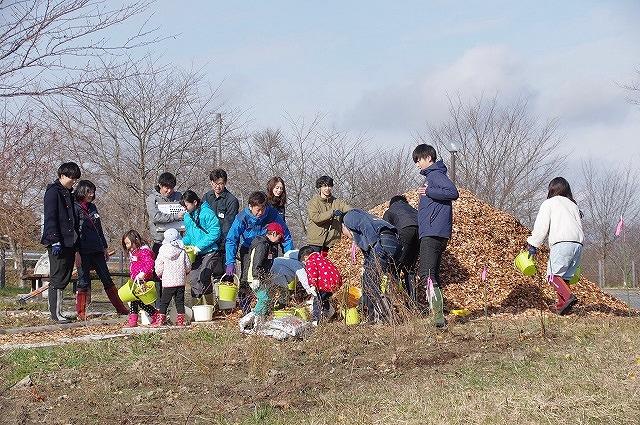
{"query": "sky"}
pixel 383 70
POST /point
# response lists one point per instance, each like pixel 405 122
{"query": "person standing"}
pixel 60 235
pixel 325 211
pixel 222 202
pixel 435 223
pixel 277 195
pixel 560 219
pixel 164 191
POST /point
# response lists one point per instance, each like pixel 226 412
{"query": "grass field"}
pixel 584 370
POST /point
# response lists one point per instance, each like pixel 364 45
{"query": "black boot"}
pixel 55 306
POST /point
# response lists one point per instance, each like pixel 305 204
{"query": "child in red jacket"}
pixel 325 277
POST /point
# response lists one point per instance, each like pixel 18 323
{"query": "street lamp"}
pixel 453 149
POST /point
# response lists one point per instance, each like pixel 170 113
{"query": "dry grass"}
pixel 584 371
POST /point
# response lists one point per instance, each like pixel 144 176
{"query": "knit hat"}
pixel 171 235
pixel 275 227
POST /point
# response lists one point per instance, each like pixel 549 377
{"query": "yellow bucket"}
pixel 126 292
pixel 228 291
pixel 302 313
pixel 292 285
pixel 351 316
pixel 191 253
pixel 576 276
pixel 278 314
pixel 525 264
pixel 149 295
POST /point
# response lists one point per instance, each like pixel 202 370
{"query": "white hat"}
pixel 171 235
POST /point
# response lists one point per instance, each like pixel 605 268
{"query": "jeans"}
pixel 61 267
pixel 378 261
pixel 93 261
pixel 321 304
pixel 431 250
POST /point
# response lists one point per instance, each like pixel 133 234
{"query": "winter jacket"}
pixel 322 273
pixel 202 229
pixel 225 207
pixel 156 217
pixel 322 226
pixel 559 218
pixel 247 226
pixel 281 210
pixel 172 264
pixel 141 260
pixel 288 268
pixel 366 228
pixel 261 255
pixel 401 215
pixel 435 210
pixel 91 238
pixel 60 224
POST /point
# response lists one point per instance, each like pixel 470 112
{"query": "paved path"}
pixel 621 294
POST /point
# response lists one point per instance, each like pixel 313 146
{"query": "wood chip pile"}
pixel 485 236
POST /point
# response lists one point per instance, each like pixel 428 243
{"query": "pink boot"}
pixel 132 322
pixel 180 319
pixel 161 319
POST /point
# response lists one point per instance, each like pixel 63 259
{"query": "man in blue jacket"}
pixel 60 235
pixel 435 222
pixel 249 223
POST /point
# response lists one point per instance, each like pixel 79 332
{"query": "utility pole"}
pixel 453 149
pixel 219 159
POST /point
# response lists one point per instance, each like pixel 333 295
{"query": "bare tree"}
pixel 125 132
pixel 27 148
pixel 609 193
pixel 505 155
pixel 47 47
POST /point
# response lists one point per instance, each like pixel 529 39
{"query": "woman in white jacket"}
pixel 560 219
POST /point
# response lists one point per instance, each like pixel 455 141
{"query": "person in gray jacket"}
pixel 158 221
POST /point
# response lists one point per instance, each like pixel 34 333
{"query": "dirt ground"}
pixel 503 370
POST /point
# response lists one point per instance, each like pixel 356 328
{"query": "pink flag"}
pixel 483 276
pixel 354 247
pixel 431 293
pixel 619 226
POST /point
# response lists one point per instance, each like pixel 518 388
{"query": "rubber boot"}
pixel 132 322
pixel 437 306
pixel 81 305
pixel 161 319
pixel 154 317
pixel 55 306
pixel 563 291
pixel 180 319
pixel 112 293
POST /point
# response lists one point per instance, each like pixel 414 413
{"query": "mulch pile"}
pixel 485 236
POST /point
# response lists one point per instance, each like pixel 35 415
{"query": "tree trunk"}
pixel 3 266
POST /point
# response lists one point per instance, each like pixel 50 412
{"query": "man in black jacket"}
pixel 222 202
pixel 405 218
pixel 60 235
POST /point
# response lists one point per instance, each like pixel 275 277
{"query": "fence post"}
pixel 600 274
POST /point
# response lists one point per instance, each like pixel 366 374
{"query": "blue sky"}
pixel 383 69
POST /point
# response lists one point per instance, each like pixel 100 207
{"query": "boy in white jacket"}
pixel 173 266
pixel 560 219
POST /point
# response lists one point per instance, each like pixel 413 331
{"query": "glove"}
pixel 532 250
pixel 140 277
pixel 338 214
pixel 312 291
pixel 254 285
pixel 230 270
pixel 56 248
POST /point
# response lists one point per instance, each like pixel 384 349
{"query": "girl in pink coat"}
pixel 140 269
pixel 173 266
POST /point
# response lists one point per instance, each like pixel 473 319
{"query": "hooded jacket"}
pixel 435 210
pixel 247 226
pixel 401 215
pixel 366 228
pixel 155 216
pixel 225 207
pixel 322 226
pixel 288 268
pixel 172 264
pixel 141 260
pixel 202 229
pixel 91 238
pixel 60 224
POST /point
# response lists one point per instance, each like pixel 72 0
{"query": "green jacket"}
pixel 321 220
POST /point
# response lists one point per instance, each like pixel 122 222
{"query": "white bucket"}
pixel 202 313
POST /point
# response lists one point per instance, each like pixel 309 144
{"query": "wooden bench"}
pixel 36 279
